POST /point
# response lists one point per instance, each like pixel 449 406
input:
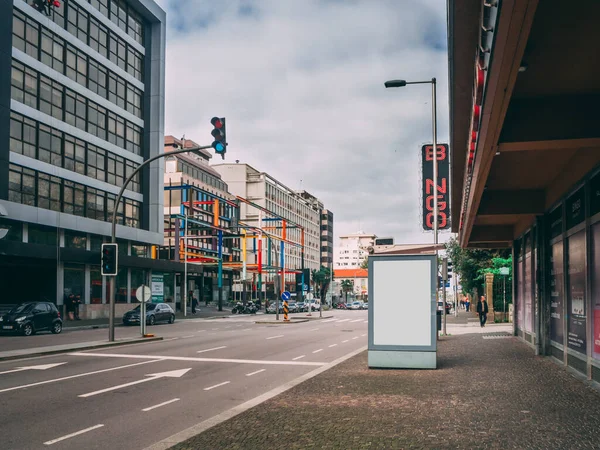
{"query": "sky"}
pixel 300 83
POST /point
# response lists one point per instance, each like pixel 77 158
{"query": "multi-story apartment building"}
pixel 352 250
pixel 276 201
pixel 326 238
pixel 189 178
pixel 81 106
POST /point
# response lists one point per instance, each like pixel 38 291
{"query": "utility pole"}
pixel 444 280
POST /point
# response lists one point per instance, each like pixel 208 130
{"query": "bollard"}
pixel 285 311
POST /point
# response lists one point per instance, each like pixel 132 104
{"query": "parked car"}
pixel 356 305
pixel 314 305
pixel 448 307
pixel 30 317
pixel 302 307
pixel 272 308
pixel 293 307
pixel 365 305
pixel 155 312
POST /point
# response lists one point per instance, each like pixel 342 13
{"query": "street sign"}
pixel 305 287
pixel 504 270
pixel 143 293
pixel 285 296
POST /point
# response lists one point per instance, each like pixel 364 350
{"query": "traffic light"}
pixel 219 134
pixel 110 256
pixel 449 269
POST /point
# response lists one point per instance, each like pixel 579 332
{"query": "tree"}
pixel 347 286
pixel 365 263
pixel 472 264
pixel 321 279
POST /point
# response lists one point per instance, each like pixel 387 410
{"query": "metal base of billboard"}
pixel 383 359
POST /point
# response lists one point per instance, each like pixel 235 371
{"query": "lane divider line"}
pixel 275 337
pixel 150 408
pixel 355 337
pixel 343 342
pixel 315 329
pixel 217 385
pixel 317 351
pixel 358 320
pixel 211 349
pixel 363 335
pixel 255 372
pixel 298 357
pixel 77 433
pixel 333 345
pixel 189 336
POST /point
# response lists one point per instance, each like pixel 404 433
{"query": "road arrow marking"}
pixel 151 377
pixel 40 367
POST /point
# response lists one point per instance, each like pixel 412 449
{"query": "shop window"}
pixel 75 240
pixel 576 285
pixel 96 243
pixel 42 235
pixel 138 277
pixel 121 286
pixel 139 250
pixel 575 209
pixel 74 281
pixel 95 286
pixel 595 274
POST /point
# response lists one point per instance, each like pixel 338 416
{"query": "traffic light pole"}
pixel 113 238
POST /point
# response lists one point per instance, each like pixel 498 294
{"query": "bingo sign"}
pixel 443 185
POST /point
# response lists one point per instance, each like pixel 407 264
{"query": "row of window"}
pixel 48 96
pixel 33 188
pixel 92 32
pixel 38 141
pixel 200 175
pixel 53 51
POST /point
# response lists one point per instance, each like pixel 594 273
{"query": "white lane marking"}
pixel 78 375
pixel 151 377
pixel 201 331
pixel 363 335
pixel 346 320
pixel 192 335
pixel 216 348
pixel 217 329
pixel 333 345
pixel 40 367
pixel 217 385
pixel 320 350
pixel 356 337
pixel 366 321
pixel 275 337
pixel 315 329
pixel 248 329
pixel 156 358
pixel 261 370
pixel 77 433
pixel 200 427
pixel 333 320
pixel 175 338
pixel 150 408
pixel 302 356
pixel 343 342
pixel 358 320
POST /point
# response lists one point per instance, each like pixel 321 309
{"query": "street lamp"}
pixel 403 83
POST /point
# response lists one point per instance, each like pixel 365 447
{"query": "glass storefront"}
pixel 95 285
pixel 527 285
pixel 556 293
pixel 595 244
pixel 576 282
pixel 74 280
pixel 519 297
pixel 138 277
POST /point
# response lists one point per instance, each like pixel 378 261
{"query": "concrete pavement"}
pixel 132 397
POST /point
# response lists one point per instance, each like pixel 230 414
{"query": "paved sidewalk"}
pixel 489 391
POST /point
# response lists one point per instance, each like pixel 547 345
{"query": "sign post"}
pixel 143 294
pixel 504 271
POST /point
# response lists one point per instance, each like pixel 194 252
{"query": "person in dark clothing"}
pixel 482 310
pixel 193 301
pixel 76 303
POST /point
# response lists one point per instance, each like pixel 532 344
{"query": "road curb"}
pixel 281 322
pixel 78 348
pixel 199 428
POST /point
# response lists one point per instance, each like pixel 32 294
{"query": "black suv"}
pixel 28 318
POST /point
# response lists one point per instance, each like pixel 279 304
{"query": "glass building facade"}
pixel 81 106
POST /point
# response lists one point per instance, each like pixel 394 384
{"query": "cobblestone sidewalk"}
pixel 486 394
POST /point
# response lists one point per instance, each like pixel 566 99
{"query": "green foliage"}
pixel 365 262
pixel 347 286
pixel 320 280
pixel 472 264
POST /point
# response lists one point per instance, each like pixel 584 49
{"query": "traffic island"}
pixel 66 348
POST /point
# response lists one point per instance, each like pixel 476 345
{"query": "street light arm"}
pixel 135 172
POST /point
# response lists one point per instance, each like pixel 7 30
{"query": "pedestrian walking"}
pixel 194 302
pixel 76 303
pixel 482 310
pixel 467 303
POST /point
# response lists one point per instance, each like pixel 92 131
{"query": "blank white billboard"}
pixel 401 303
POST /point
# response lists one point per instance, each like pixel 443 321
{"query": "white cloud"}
pixel 301 85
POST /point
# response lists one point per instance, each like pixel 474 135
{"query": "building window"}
pixel 77 22
pixel 98 37
pixel 52 50
pixel 51 97
pixel 100 5
pixel 22 135
pixel 24 84
pixel 15 230
pixel 75 240
pixel 97 120
pixel 133 138
pixel 116 90
pixel 134 63
pixel 73 198
pixel 76 65
pixel 21 185
pixel 139 250
pixel 50 146
pixel 74 155
pixel 97 80
pixel 42 235
pixel 25 34
pixel 75 109
pixel 48 192
pixel 117 52
pixel 115 170
pixel 134 101
pixel 96 163
pixel 576 301
pixel 116 130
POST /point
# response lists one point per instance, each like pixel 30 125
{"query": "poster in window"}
pixel 527 293
pixel 519 296
pixel 576 293
pixel 556 293
pixel 596 289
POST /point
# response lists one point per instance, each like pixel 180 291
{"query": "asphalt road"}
pixel 134 396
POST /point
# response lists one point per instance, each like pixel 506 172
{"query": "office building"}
pixel 276 201
pixel 81 106
pixel 326 238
